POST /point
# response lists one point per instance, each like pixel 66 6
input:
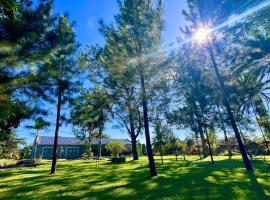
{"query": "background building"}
pixel 71 147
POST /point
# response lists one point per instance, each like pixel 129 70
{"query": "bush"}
pixel 25 152
pixel 115 147
pixel 87 156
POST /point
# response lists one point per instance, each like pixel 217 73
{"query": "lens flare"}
pixel 201 34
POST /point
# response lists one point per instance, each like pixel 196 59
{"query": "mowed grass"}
pixel 4 162
pixel 190 179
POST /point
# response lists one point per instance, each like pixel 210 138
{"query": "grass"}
pixel 191 179
pixel 4 162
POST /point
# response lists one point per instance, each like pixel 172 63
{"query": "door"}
pixel 72 153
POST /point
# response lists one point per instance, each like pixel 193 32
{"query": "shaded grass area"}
pixel 190 179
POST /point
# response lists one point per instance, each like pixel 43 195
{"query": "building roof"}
pixel 107 140
pixel 49 140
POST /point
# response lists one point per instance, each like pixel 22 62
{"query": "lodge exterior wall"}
pixel 69 151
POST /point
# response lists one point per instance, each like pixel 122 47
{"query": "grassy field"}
pixel 191 179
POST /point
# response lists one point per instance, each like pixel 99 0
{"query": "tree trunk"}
pixel 243 138
pixel 262 112
pixel 35 147
pixel 202 138
pixel 151 160
pixel 133 137
pixel 225 133
pixel 55 145
pixel 100 142
pixel 161 156
pixel 198 146
pixel 229 111
pixel 199 124
pixel 227 142
pixel 89 144
pixel 209 145
pixel 261 129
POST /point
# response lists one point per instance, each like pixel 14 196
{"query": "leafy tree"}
pixel 81 117
pixel 40 124
pixel 176 147
pixel 9 148
pixel 183 146
pixel 162 136
pixel 91 111
pixel 25 152
pixel 190 143
pixel 11 114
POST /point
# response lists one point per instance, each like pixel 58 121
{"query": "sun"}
pixel 201 34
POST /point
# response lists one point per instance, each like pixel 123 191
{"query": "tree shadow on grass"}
pixel 227 179
pixel 257 186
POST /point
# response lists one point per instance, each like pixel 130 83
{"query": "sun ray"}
pixel 202 33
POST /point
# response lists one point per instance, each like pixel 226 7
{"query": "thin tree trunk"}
pixel 202 138
pixel 151 160
pixel 262 112
pixel 35 147
pixel 198 146
pixel 89 144
pixel 133 137
pixel 100 142
pixel 55 145
pixel 209 145
pixel 260 127
pixel 225 133
pixel 199 123
pixel 229 111
pixel 243 137
pixel 227 142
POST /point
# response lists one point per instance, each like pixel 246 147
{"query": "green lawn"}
pixel 191 179
pixel 4 162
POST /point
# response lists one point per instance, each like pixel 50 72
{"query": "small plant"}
pixel 87 155
pixel 116 148
pixel 38 159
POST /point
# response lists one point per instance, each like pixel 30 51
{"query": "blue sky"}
pixel 86 14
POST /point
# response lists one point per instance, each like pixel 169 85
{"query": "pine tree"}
pixel 142 24
pixel 57 76
pixel 198 15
